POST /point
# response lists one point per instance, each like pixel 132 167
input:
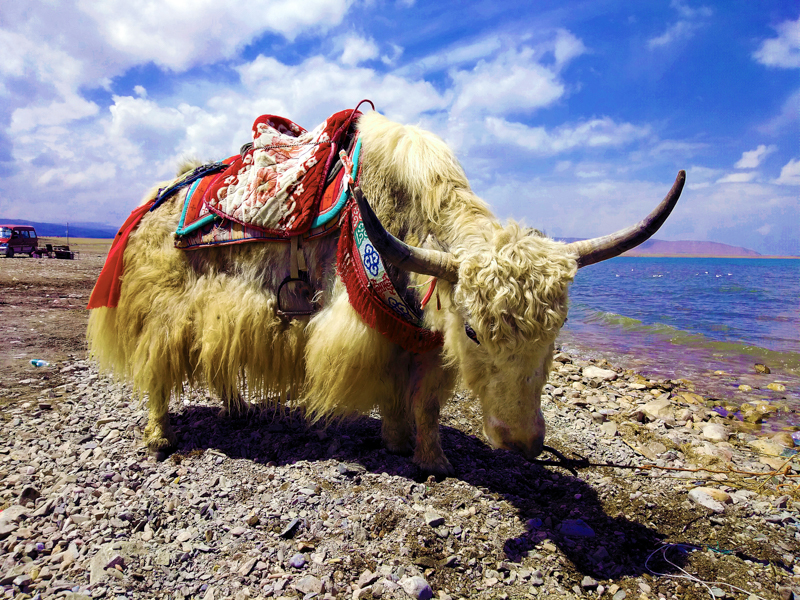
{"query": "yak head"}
pixel 509 302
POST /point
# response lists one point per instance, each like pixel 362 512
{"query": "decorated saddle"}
pixel 287 182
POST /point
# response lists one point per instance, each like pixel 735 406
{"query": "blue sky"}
pixel 571 116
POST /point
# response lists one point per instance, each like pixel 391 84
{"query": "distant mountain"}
pixel 689 248
pixel 78 230
pixel 682 248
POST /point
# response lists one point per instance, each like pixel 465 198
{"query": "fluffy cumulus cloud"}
pixel 589 134
pixel 177 35
pixel 784 50
pixel 790 173
pixel 753 158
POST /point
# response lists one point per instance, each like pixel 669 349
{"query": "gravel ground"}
pixel 263 505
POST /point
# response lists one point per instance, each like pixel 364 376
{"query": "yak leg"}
pixel 426 389
pixel 158 435
pixel 396 428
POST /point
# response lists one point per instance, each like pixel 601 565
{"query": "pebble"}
pixel 710 498
pixel 715 432
pixel 433 520
pixel 297 561
pixel 416 587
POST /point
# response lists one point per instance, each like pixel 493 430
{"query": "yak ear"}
pixel 409 258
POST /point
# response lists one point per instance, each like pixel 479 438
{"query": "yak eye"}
pixel 471 333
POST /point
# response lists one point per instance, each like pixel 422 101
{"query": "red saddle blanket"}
pixel 273 189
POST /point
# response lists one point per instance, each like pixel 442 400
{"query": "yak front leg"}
pixel 428 385
pixel 397 431
pixel 158 435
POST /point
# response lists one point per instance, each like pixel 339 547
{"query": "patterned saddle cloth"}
pixel 287 182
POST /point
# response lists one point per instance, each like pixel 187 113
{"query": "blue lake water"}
pixel 684 318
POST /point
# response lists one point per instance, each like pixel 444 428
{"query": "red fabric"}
pixel 368 305
pixel 106 290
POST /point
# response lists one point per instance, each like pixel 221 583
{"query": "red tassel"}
pixel 371 309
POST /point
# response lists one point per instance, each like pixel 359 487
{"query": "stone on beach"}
pixel 710 498
pixel 714 432
pixel 661 408
pixel 591 372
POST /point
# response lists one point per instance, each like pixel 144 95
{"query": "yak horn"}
pixel 418 260
pixel 608 246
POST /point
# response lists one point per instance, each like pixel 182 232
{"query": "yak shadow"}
pixel 544 498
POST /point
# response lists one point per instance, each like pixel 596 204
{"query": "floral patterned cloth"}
pixel 277 184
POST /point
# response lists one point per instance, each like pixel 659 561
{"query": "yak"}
pixel 211 316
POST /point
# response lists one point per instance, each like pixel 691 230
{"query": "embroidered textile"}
pixel 278 183
pixel 372 293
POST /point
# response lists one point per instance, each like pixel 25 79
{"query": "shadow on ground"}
pixel 544 498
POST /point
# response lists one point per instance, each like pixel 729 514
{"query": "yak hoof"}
pixel 439 468
pixel 160 440
pixel 401 449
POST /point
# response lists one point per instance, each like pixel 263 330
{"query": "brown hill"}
pixel 689 248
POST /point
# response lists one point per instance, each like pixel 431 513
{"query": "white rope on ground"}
pixel 688 576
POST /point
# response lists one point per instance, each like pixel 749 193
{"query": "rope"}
pixel 688 576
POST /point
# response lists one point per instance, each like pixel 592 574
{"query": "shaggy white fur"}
pixel 209 316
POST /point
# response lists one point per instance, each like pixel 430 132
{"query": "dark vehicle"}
pixel 20 239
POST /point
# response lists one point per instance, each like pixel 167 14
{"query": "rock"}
pixel 745 388
pixel 661 408
pixel 776 387
pixel 13 514
pixel 247 567
pixel 291 528
pixel 28 496
pixel 367 578
pixel 711 498
pixel 297 561
pixel 761 446
pixel 537 578
pixel 433 520
pixel 252 520
pixel 784 438
pixel 609 428
pixel 237 531
pixel 588 583
pixel 416 587
pixel 184 536
pixel 620 595
pixel 576 528
pixel 309 585
pixel 598 373
pixel 762 369
pixel 714 432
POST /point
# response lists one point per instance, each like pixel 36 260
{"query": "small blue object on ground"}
pixel 576 528
pixel 36 362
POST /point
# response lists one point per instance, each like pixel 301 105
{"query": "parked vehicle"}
pixel 18 239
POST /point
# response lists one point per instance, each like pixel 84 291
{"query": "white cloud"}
pixel 177 36
pixel 589 134
pixel 691 20
pixel 680 30
pixel 513 81
pixel 790 173
pixel 789 115
pixel 738 177
pixel 140 91
pixel 784 50
pixel 357 50
pixel 764 229
pixel 753 158
pixel 567 47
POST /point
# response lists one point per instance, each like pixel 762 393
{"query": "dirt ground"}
pixel 43 307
